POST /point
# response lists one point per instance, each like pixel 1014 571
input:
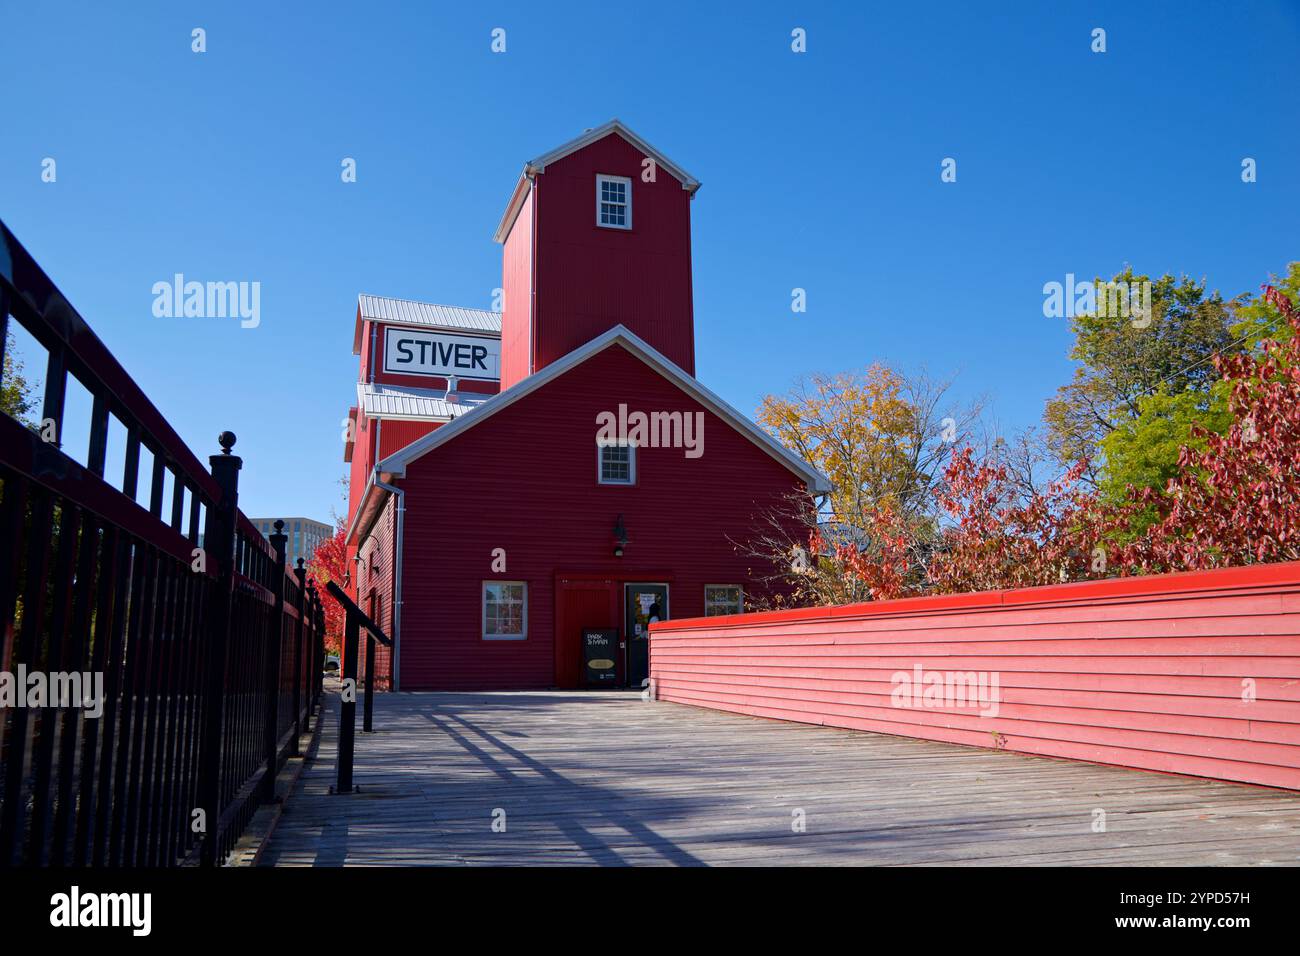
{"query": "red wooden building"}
pixel 530 488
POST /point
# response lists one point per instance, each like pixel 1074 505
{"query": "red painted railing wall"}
pixel 1195 673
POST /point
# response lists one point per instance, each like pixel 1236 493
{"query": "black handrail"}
pixel 356 619
pixel 208 653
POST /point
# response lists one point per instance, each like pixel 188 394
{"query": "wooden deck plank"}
pixel 604 778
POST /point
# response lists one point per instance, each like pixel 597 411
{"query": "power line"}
pixel 1284 313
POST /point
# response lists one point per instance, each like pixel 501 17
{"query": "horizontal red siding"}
pixel 375 582
pixel 525 481
pixel 1142 672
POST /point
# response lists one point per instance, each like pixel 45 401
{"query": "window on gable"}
pixel 614 202
pixel 723 599
pixel 616 463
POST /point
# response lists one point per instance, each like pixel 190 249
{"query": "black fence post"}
pixel 368 721
pixel 321 649
pixel 299 678
pixel 356 620
pixel 348 709
pixel 219 542
pixel 274 649
pixel 317 648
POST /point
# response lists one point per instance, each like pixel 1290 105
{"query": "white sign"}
pixel 411 352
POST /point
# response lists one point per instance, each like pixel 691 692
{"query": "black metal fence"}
pixel 202 653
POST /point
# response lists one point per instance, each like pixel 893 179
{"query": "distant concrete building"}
pixel 305 536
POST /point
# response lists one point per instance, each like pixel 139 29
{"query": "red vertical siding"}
pixel 525 480
pixel 366 327
pixel 395 434
pixel 1153 673
pixel 582 603
pixel 591 278
pixel 516 285
pixel 363 460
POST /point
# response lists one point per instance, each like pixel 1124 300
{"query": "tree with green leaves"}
pixel 1142 451
pixel 1141 383
pixel 1258 319
pixel 16 393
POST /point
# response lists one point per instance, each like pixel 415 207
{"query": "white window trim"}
pixel 739 587
pixel 631 463
pixel 483 614
pixel 602 178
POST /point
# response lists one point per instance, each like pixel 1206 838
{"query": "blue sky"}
pixel 821 171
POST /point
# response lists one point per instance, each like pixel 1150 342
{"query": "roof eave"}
pixel 689 182
pixel 522 188
pixel 538 165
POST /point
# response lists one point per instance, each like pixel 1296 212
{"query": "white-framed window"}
pixel 613 202
pixel 505 610
pixel 723 599
pixel 615 463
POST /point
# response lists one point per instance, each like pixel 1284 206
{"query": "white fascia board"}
pixel 522 189
pixel 689 182
pixel 538 165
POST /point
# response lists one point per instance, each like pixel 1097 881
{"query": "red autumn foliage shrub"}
pixel 329 563
pixel 1236 502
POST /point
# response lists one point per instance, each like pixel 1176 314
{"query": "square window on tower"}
pixel 614 202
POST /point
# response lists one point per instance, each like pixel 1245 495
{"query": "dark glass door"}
pixel 642 604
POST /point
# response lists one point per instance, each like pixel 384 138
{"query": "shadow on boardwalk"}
pixel 569 778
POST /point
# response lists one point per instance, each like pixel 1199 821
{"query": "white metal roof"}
pixel 450 318
pixel 395 464
pixel 538 165
pixel 422 404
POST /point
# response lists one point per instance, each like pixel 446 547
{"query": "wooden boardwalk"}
pixel 603 778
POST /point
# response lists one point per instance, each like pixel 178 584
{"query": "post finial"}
pixel 227 441
pixel 279 525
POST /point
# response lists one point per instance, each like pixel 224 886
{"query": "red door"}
pixel 580 604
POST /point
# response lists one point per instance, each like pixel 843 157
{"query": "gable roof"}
pixel 395 464
pixel 538 165
pixel 449 318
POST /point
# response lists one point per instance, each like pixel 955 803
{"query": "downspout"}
pixel 400 495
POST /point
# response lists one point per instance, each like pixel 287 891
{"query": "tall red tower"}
pixel 596 234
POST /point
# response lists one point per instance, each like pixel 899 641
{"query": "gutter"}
pixel 355 527
pixel 400 495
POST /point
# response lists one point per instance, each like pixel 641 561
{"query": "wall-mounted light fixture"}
pixel 620 537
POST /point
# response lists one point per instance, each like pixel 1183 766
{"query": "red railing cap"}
pixel 1283 574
